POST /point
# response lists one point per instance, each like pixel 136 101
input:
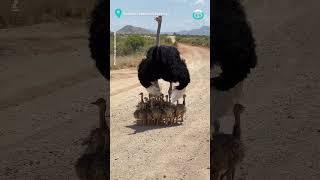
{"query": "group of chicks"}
pixel 227 150
pixel 156 110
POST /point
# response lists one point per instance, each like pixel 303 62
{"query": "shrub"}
pixel 134 43
pixel 168 40
pixel 194 40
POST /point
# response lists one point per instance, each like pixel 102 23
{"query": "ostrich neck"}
pixel 102 118
pixel 104 126
pixel 236 128
pixel 158 35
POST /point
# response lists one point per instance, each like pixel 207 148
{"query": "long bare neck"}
pixel 236 127
pixel 158 34
pixel 102 118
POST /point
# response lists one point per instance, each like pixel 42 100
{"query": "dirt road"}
pixel 179 152
pixel 281 126
pixel 47 82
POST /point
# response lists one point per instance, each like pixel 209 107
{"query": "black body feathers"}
pixel 99 37
pixel 163 62
pixel 233 43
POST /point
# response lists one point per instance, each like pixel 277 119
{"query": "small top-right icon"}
pixel 198 14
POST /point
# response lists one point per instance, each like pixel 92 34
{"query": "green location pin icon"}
pixel 118 12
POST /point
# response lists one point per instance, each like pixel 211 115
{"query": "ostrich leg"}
pixel 170 91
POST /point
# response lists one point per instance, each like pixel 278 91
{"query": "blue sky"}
pixel 179 14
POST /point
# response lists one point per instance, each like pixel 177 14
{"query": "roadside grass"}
pixel 131 49
pixel 203 41
pixel 130 61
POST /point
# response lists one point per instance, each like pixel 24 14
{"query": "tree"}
pixel 134 43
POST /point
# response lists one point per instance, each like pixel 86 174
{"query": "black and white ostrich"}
pixel 234 52
pixel 163 62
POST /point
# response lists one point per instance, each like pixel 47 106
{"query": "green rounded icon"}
pixel 198 14
pixel 118 12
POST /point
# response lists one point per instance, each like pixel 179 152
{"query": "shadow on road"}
pixel 138 128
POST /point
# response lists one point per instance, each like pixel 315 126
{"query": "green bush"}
pixel 134 43
pixel 194 40
pixel 168 40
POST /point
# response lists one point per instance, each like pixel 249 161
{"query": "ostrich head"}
pixel 101 103
pixel 159 20
pixel 238 109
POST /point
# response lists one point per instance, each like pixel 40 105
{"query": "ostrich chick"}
pixel 167 102
pixel 140 108
pixel 94 163
pixel 227 149
pixel 181 109
pixel 156 114
pixel 141 104
pixel 169 111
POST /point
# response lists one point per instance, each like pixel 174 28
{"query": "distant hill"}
pixel 128 29
pixel 203 31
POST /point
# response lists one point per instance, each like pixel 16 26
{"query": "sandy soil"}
pixel 179 152
pixel 281 127
pixel 47 82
